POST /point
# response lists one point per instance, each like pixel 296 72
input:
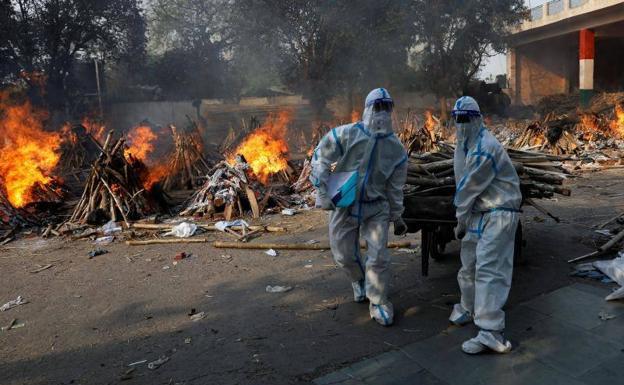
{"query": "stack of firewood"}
pixel 187 166
pixel 113 188
pixel 78 152
pixel 226 188
pixel 553 134
pixel 431 182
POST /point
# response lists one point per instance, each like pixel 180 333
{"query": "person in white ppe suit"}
pixel 488 202
pixel 371 198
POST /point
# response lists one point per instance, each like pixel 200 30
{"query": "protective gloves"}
pixel 460 231
pixel 400 227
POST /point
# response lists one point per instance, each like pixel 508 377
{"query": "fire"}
pixel 29 154
pixel 68 135
pixel 140 142
pixel 590 127
pixel 430 122
pixel 95 128
pixel 355 116
pixel 155 174
pixel 617 125
pixel 265 149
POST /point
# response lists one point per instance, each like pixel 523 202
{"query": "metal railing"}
pixel 577 3
pixel 554 7
pixel 537 13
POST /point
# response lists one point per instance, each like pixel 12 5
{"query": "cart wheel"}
pixel 519 257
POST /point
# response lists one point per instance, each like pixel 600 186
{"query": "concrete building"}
pixel 568 46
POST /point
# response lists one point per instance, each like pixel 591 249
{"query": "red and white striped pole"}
pixel 586 65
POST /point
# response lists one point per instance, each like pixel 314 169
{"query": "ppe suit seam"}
pixel 335 135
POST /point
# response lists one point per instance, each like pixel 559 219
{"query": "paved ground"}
pixel 88 319
pixel 558 338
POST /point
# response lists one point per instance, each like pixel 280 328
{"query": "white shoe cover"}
pixel 487 340
pixel 460 316
pixel 382 314
pixel 359 291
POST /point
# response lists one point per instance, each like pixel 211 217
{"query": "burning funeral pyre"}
pixel 29 156
pixel 113 190
pixel 187 167
pixel 256 174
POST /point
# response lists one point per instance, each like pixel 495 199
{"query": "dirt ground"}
pixel 88 319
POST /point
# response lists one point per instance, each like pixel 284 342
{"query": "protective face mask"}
pixel 380 122
pixel 467 130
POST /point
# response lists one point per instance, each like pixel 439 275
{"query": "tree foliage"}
pixel 453 38
pixel 188 48
pixel 49 35
pixel 322 48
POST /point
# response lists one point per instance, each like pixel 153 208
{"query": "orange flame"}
pixel 95 128
pixel 29 154
pixel 590 127
pixel 355 116
pixel 430 123
pixel 154 175
pixel 266 149
pixel 617 125
pixel 140 142
pixel 68 135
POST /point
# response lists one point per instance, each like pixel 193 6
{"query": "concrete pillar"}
pixel 586 65
pixel 513 76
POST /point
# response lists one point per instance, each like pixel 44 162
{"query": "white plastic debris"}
pixel 137 363
pixel 271 252
pixel 182 230
pixel 603 232
pixel 613 269
pixel 278 289
pixel 104 240
pixel 289 212
pixel 110 228
pixel 409 251
pixel 222 225
pixel 158 363
pixel 603 315
pixel 311 242
pixel 198 316
pixel 13 303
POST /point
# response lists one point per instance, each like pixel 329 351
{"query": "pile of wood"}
pixel 420 136
pixel 234 137
pixel 303 184
pixel 431 182
pixel 226 188
pixel 553 134
pixel 113 189
pixel 78 151
pixel 187 167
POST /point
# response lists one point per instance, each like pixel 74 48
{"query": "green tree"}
pixel 323 48
pixel 50 35
pixel 188 48
pixel 453 37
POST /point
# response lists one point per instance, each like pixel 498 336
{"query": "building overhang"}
pixel 590 15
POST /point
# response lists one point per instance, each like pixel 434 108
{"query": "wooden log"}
pixel 251 197
pixel 428 168
pixel 430 182
pixel 205 226
pixel 294 246
pixel 166 241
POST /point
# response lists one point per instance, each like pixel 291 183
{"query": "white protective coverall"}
pixel 370 148
pixel 488 202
